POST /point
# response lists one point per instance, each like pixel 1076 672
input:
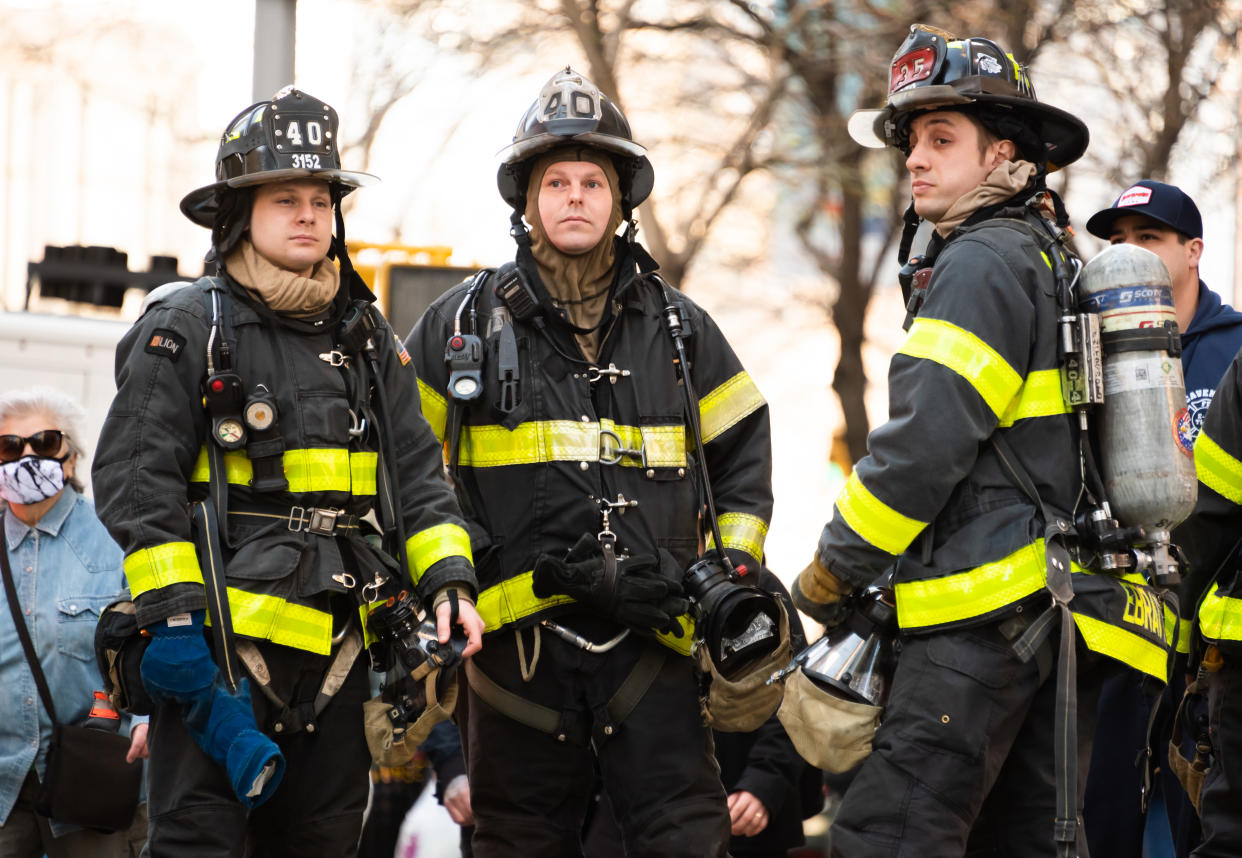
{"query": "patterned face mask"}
pixel 31 479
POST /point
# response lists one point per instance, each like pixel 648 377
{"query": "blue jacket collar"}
pixel 15 529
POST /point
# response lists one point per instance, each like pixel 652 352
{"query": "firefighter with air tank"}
pixel 1024 568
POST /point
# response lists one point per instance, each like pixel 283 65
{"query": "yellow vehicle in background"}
pixel 405 278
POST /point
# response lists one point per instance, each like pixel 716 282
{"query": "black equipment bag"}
pixel 87 781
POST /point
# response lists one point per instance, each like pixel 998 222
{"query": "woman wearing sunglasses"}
pixel 66 570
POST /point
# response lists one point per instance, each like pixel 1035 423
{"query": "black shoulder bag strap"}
pixel 23 632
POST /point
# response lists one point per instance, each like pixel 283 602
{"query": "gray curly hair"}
pixel 48 402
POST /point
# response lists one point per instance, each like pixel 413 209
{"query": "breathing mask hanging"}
pixel 739 625
pixel 836 688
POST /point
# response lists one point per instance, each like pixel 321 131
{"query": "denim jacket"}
pixel 66 570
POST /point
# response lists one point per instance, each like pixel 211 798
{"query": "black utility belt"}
pixel 322 521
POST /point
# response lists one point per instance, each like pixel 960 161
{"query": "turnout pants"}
pixel 1220 805
pixel 316 810
pixel 963 764
pixel 531 791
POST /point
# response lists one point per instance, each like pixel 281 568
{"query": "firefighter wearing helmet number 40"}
pixel 556 383
pixel 1023 570
pixel 251 432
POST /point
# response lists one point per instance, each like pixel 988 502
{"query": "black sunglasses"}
pixel 45 443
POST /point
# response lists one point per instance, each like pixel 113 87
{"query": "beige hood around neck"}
pixel 281 290
pixel 1007 179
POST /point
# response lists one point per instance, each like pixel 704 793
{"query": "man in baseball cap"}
pixel 1165 220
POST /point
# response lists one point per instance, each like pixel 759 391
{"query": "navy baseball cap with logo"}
pixel 1158 201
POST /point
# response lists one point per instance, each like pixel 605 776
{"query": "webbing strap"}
pixel 1145 755
pixel 211 562
pixel 1061 587
pixel 548 720
pixel 333 679
pixel 514 706
pixel 637 684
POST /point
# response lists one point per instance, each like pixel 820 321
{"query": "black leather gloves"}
pixel 638 594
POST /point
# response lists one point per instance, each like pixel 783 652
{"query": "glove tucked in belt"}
pixel 820 594
pixel 637 594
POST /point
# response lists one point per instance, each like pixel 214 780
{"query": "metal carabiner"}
pixel 594 373
pixel 336 357
pixel 374 587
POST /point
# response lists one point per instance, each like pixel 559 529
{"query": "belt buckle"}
pixel 297 518
pixel 323 521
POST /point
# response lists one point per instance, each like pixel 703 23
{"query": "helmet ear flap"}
pixel 640 181
pixel 232 219
pixel 511 181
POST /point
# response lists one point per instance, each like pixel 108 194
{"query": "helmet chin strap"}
pixel 912 220
pixel 517 226
pixel 339 250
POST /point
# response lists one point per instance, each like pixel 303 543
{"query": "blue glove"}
pixel 222 723
pixel 177 668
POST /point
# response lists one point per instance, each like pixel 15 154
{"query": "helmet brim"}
pixel 201 205
pixel 528 148
pixel 511 180
pixel 1065 136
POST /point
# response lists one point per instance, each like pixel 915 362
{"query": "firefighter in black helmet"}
pixel 250 434
pixel 552 383
pixel 971 488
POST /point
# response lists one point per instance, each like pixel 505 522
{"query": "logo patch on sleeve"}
pixel 165 343
pixel 401 352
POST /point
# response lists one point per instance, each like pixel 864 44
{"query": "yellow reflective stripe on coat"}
pixel 435 408
pixel 1220 617
pixel 1039 396
pixel 515 599
pixel 162 565
pixel 975 592
pixel 1219 471
pixel 742 531
pixel 1128 648
pixel 968 356
pixel 319 469
pixel 727 405
pixel 428 547
pixel 874 520
pixel 541 441
pixel 275 619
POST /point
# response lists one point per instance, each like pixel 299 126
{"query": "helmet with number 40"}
pixel 571 111
pixel 292 136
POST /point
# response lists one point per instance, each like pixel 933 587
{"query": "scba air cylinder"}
pixel 1145 437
